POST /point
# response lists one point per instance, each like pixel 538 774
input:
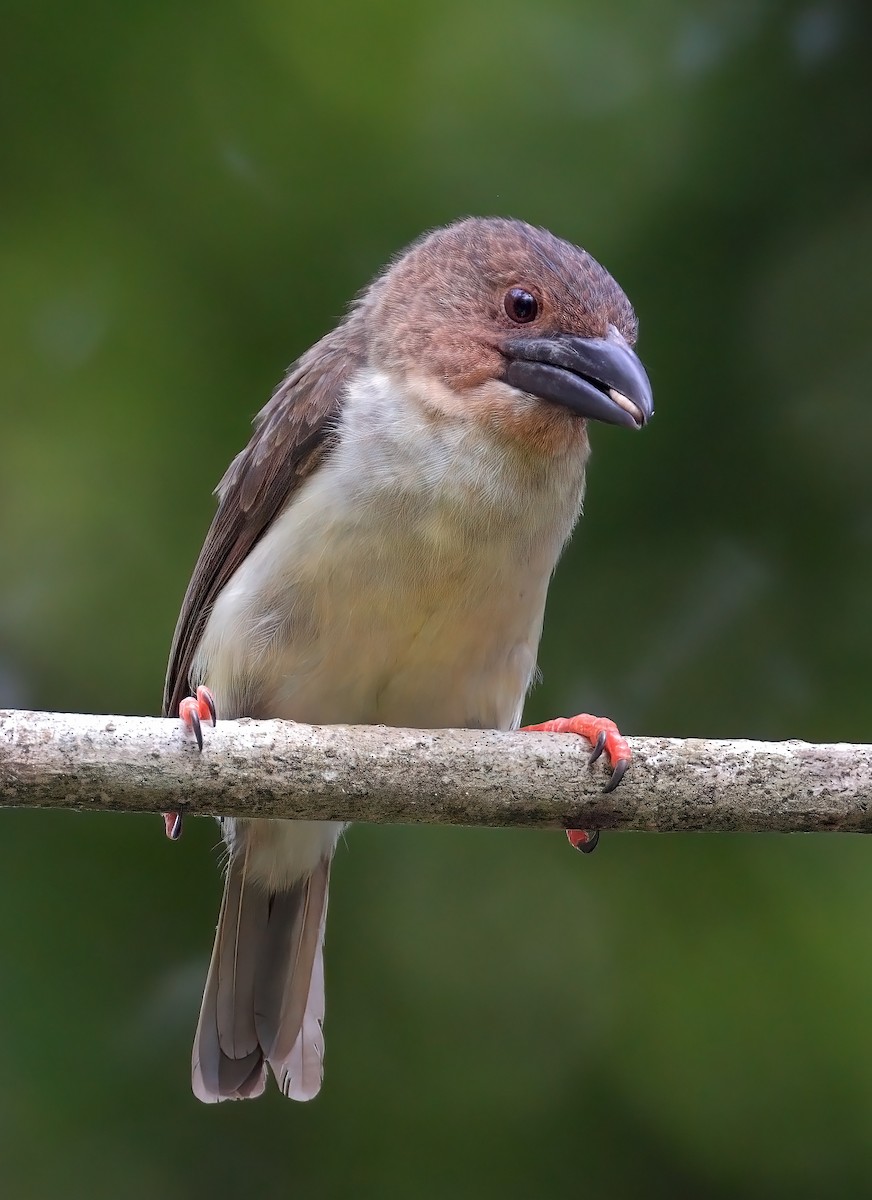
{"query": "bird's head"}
pixel 499 321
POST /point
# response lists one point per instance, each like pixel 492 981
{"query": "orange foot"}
pixel 193 710
pixel 603 735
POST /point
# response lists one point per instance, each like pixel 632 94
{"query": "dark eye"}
pixel 520 305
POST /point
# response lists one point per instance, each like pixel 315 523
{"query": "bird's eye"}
pixel 521 306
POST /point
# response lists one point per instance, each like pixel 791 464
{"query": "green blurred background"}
pixel 190 195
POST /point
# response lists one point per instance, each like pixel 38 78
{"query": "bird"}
pixel 380 554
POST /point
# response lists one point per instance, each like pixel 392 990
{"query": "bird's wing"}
pixel 292 434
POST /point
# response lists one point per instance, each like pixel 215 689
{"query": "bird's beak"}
pixel 599 378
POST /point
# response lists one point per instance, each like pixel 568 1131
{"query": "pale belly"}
pixel 412 595
pixel 397 616
pixel 370 638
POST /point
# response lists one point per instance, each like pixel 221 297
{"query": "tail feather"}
pixel 286 963
pixel 264 995
pixel 215 1075
pixel 300 1072
pixel 241 926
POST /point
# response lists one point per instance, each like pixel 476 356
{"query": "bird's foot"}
pixel 604 736
pixel 193 711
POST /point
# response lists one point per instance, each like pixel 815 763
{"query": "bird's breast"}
pixel 403 584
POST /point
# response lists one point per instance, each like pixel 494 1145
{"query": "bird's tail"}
pixel 264 996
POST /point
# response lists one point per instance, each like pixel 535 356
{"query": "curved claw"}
pixel 617 775
pixel 190 715
pixel 584 840
pixel 598 747
pixel 206 705
pixel 197 727
pixel 173 825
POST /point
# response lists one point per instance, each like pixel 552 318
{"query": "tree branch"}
pixel 451 776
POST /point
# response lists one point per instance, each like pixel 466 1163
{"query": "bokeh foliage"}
pixel 190 195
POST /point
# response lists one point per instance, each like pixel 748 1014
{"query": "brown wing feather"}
pixel 292 434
